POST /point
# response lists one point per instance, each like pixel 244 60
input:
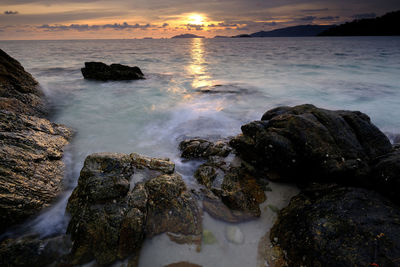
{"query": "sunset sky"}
pixel 88 19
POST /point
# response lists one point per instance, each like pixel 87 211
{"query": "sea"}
pixel 203 88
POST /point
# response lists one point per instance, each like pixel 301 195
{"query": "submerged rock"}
pixel 182 264
pixel 305 143
pixel 31 147
pixel 110 215
pixel 234 235
pixel 115 72
pixel 209 238
pixel 338 226
pixel 19 92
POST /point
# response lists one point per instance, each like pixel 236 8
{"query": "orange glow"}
pixel 196 19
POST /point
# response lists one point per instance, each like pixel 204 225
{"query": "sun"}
pixel 196 19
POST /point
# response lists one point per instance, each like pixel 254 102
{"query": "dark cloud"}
pixel 364 16
pixel 329 18
pixel 9 12
pixel 225 24
pixel 197 27
pixel 314 10
pixel 86 27
pixel 165 25
pixel 308 18
pixel 273 23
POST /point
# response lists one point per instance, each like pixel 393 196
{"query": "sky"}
pixel 127 19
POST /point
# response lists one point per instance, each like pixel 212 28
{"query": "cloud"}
pixel 165 25
pixel 9 12
pixel 308 18
pixel 58 17
pixel 86 27
pixel 314 10
pixel 364 16
pixel 197 27
pixel 329 18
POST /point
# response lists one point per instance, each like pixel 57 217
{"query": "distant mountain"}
pixel 294 31
pixel 386 25
pixel 187 35
pixel 221 36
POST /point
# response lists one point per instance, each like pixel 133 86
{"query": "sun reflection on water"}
pixel 197 68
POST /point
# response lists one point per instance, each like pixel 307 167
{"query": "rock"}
pixel 32 251
pixel 31 166
pixel 225 176
pixel 111 214
pixel 182 264
pixel 172 209
pixel 386 175
pixel 114 72
pixel 209 238
pixel 31 147
pixel 19 91
pixel 218 210
pixel 339 226
pixel 234 235
pixel 305 143
pixel 200 148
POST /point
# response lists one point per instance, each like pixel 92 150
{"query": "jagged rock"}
pixel 31 166
pixel 226 177
pixel 19 91
pixel 31 147
pixel 109 218
pixel 305 143
pixel 33 251
pixel 172 209
pixel 115 72
pixel 386 175
pixel 338 226
pixel 200 148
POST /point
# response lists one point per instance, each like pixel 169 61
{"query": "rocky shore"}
pixel 31 147
pixel 347 213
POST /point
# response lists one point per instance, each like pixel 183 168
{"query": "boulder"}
pixel 19 92
pixel 31 147
pixel 238 192
pixel 122 198
pixel 201 148
pixel 306 143
pixel 114 72
pixel 338 226
pixel 386 175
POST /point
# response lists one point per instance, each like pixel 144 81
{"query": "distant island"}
pixel 187 35
pixel 386 25
pixel 294 31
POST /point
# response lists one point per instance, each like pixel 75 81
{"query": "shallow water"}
pixel 203 88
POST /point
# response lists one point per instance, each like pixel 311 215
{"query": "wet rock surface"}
pixel 110 216
pixel 386 175
pixel 31 147
pixel 114 72
pixel 306 143
pixel 19 91
pixel 201 148
pixel 339 226
pixel 234 193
